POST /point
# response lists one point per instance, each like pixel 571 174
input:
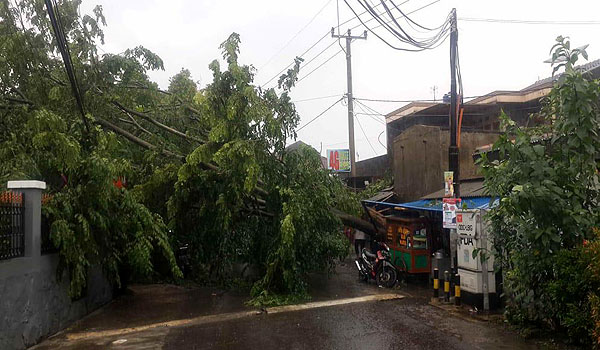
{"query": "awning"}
pixel 435 204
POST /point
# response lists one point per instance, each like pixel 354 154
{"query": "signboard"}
pixel 466 223
pixel 448 184
pixel 449 206
pixel 338 160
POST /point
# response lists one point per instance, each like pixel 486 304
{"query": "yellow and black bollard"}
pixel 436 283
pixel 447 286
pixel 457 290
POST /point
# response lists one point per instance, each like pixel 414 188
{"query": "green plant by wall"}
pixel 547 181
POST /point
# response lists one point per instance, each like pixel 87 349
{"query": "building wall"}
pixel 421 157
pixel 34 304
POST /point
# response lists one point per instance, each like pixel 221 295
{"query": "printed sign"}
pixel 449 206
pixel 338 160
pixel 448 184
pixel 466 222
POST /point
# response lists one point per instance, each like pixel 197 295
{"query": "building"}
pixel 367 171
pixel 418 133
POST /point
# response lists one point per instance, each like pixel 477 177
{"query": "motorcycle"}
pixel 377 266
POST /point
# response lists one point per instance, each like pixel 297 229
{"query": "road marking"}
pixel 319 304
pixel 200 320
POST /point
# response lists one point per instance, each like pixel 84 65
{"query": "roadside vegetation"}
pixel 143 171
pixel 546 225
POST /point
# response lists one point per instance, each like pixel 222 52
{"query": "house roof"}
pixel 532 92
pixel 298 144
pixel 468 189
pixel 408 109
pixel 549 81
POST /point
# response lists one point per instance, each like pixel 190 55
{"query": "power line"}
pixel 302 55
pixel 421 45
pixel 370 109
pixel 371 115
pixel 319 66
pixel 365 135
pixel 317 55
pixel 405 101
pixel 519 21
pixel 317 98
pixel 326 35
pixel 378 140
pixel 318 115
pixel 296 35
pixel 63 47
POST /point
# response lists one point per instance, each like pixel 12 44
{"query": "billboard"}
pixel 338 160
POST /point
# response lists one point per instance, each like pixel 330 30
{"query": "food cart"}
pixel 407 233
pixel 408 240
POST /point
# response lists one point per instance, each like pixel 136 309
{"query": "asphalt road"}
pixel 170 317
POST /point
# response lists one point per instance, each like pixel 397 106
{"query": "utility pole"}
pixel 349 39
pixel 453 152
pixel 434 89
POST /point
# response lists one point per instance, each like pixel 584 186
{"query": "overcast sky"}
pixel 493 56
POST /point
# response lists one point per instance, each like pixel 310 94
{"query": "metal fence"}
pixel 11 226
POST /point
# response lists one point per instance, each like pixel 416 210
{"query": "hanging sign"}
pixel 448 184
pixel 338 160
pixel 449 206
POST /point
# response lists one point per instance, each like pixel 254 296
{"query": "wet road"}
pixel 169 317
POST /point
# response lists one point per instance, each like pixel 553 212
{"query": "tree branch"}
pixel 155 122
pixel 138 141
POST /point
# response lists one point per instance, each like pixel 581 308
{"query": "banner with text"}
pixel 338 160
pixel 449 206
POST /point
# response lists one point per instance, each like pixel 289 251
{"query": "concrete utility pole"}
pixel 349 39
pixel 453 153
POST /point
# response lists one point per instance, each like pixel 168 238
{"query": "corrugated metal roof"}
pixel 468 189
pixel 550 80
pixel 436 204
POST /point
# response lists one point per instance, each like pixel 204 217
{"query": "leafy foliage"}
pixel 211 162
pixel 262 205
pixel 547 179
pixel 93 222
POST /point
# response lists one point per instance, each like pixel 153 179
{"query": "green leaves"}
pixel 547 180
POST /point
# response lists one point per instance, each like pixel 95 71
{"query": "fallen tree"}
pixel 212 162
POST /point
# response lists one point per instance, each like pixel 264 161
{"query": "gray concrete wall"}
pixel 33 302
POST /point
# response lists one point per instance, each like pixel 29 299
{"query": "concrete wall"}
pixel 33 303
pixel 421 157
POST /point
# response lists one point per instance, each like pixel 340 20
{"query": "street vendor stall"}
pixel 414 231
pixel 408 241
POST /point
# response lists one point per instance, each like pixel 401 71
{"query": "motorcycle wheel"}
pixel 386 276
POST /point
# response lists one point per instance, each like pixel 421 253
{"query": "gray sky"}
pixel 493 56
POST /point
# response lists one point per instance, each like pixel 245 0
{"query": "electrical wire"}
pixel 317 98
pixel 301 56
pixel 429 43
pixel 370 115
pixel 518 21
pixel 319 115
pixel 326 35
pixel 378 140
pixel 296 35
pixel 405 101
pixel 319 66
pixel 61 42
pixel 365 134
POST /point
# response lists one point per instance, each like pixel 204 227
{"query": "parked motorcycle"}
pixel 377 266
